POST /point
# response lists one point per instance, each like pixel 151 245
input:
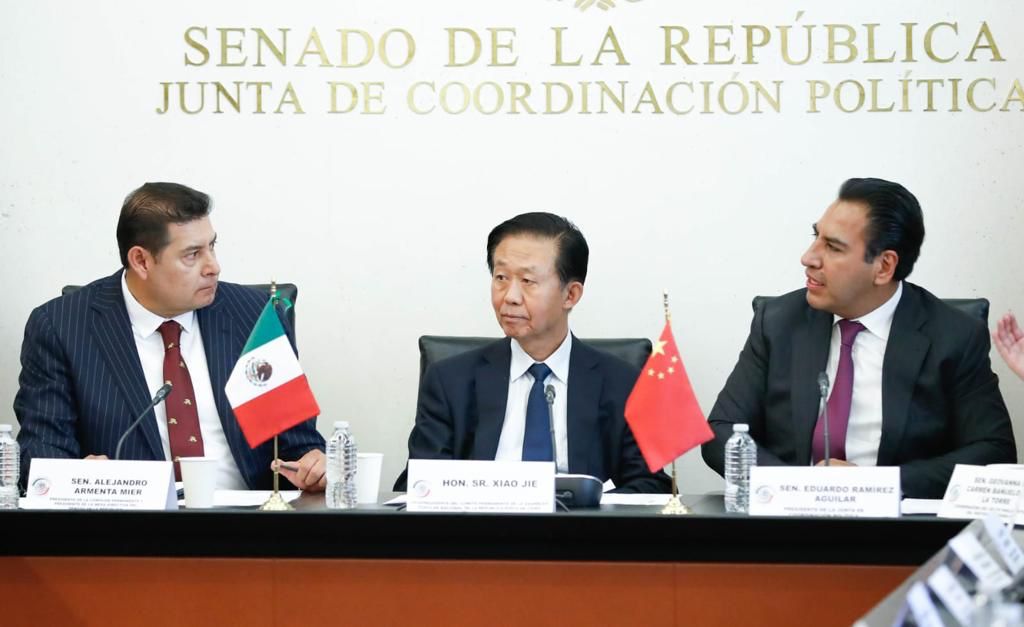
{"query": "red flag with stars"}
pixel 662 410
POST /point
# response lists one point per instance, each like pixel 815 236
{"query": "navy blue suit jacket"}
pixel 941 404
pixel 81 381
pixel 461 411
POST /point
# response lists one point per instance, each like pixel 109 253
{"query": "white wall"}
pixel 381 219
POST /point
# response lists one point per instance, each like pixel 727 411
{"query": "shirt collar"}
pixel 879 321
pixel 144 321
pixel 558 361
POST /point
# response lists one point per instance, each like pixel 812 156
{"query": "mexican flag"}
pixel 267 388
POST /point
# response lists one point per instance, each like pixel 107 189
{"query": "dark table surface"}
pixel 611 533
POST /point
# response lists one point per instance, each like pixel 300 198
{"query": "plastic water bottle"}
pixel 740 457
pixel 10 460
pixel 341 468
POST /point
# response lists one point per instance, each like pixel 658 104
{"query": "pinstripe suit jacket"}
pixel 81 381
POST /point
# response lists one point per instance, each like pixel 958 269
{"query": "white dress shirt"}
pixel 520 381
pixel 864 431
pixel 148 342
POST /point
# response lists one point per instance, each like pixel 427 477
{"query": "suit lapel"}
pixel 582 406
pixel 809 358
pixel 491 378
pixel 113 331
pixel 904 353
pixel 218 330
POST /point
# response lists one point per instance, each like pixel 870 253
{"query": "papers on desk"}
pixel 660 500
pixel 247 498
pixel 606 499
pixel 920 506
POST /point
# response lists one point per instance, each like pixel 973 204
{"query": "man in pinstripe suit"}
pixel 92 359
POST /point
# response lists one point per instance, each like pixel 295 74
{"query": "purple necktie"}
pixel 839 400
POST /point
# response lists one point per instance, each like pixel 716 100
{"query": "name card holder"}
pixel 100 484
pixel 481 486
pixel 980 491
pixel 977 559
pixel 853 491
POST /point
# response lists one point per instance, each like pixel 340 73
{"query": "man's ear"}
pixel 140 261
pixel 885 266
pixel 573 294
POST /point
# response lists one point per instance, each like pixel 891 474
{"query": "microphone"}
pixel 160 395
pixel 549 396
pixel 823 393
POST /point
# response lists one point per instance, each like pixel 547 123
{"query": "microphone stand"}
pixel 823 393
pixel 549 396
pixel 160 395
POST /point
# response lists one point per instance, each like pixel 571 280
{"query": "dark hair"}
pixel 147 211
pixel 573 251
pixel 895 221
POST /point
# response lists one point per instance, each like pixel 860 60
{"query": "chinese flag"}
pixel 662 410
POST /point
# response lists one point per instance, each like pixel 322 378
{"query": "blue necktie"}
pixel 537 436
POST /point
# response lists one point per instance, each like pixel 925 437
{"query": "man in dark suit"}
pixel 490 403
pixel 910 380
pixel 92 359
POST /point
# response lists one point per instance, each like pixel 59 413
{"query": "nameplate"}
pixel 481 486
pixel 974 556
pixel 854 491
pixel 945 586
pixel 1006 547
pixel 921 607
pixel 980 491
pixel 100 484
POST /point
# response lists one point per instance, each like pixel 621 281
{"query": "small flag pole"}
pixel 275 503
pixel 675 506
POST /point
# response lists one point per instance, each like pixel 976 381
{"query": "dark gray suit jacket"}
pixel 941 404
pixel 81 381
pixel 462 402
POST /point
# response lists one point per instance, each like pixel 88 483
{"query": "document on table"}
pixel 920 506
pixel 247 498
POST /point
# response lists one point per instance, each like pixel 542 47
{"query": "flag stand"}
pixel 276 502
pixel 675 506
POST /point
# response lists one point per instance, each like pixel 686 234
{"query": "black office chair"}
pixel 434 348
pixel 284 290
pixel 976 307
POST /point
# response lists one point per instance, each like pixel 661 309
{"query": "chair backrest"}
pixel 284 290
pixel 975 307
pixel 434 348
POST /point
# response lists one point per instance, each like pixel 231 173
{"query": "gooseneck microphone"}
pixel 823 393
pixel 549 396
pixel 160 395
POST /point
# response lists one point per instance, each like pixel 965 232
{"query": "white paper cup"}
pixel 199 476
pixel 368 477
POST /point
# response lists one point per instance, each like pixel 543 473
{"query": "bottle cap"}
pixel 5 428
pixel 741 428
pixel 341 424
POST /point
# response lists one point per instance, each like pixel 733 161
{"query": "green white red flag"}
pixel 267 389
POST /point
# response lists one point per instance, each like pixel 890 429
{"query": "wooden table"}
pixel 376 566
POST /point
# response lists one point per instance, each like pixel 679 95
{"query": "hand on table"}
pixel 836 462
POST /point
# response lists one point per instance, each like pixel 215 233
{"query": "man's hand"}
pixel 309 473
pixel 1009 341
pixel 96 457
pixel 835 462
